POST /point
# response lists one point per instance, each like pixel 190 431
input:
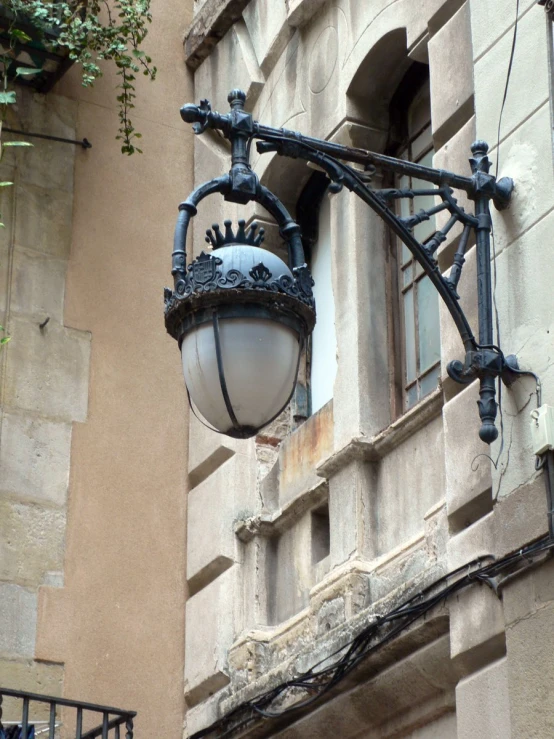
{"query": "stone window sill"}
pixel 374 449
pixel 370 450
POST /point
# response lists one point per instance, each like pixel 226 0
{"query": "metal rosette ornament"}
pixel 241 317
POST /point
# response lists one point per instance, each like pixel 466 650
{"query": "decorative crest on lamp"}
pixel 242 236
pixel 236 270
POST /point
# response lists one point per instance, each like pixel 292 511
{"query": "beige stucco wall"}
pixel 101 445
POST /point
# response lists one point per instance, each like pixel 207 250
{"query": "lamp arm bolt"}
pixel 482 359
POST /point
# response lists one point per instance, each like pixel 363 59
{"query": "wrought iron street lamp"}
pixel 241 315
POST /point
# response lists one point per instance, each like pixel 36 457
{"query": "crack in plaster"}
pixel 528 616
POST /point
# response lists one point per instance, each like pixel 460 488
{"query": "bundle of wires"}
pixel 310 687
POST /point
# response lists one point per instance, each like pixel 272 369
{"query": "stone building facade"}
pixel 333 516
pixel 92 477
pixel 373 484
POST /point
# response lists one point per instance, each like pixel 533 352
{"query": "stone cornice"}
pixel 210 24
pixel 271 524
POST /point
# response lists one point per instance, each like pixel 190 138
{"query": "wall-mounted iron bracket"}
pixel 483 360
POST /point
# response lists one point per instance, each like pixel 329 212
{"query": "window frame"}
pixel 308 207
pixel 414 84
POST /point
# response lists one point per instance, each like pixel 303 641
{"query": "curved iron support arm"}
pixel 343 175
pixel 241 186
pixel 188 210
pixel 483 360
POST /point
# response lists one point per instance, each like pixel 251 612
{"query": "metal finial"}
pixel 236 98
pixel 479 147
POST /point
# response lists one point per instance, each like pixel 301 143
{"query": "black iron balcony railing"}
pixel 29 716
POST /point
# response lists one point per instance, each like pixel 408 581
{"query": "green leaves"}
pixel 4 339
pixel 19 35
pixel 26 71
pixel 7 97
pixel 92 31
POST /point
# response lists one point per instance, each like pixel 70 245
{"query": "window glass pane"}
pixel 430 381
pixel 418 296
pixel 411 397
pixel 409 334
pixel 421 143
pixel 420 110
pixel 404 184
pixel 324 344
pixel 428 323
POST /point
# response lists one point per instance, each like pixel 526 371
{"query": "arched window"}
pixel 418 325
pixel 314 216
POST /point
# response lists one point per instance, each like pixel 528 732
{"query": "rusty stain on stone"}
pixel 310 443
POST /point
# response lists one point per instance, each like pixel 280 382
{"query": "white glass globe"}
pixel 259 357
pixel 260 360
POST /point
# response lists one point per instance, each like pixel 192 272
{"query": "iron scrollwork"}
pixel 483 359
pixel 548 7
pixel 204 276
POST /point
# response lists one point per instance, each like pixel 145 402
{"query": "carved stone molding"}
pixel 301 11
pixel 209 26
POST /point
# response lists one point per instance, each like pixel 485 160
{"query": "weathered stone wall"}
pixel 43 383
pixel 409 498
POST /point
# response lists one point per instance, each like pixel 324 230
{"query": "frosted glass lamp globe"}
pixel 240 357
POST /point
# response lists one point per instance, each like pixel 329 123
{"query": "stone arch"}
pixel 286 178
pixel 377 78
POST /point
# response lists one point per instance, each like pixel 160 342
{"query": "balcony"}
pixel 28 716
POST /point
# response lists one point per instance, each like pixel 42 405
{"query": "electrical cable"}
pixel 319 682
pixel 508 75
pixel 538 382
pixel 549 474
pixel 494 268
pixel 496 317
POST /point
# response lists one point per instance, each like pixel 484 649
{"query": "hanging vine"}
pixel 91 31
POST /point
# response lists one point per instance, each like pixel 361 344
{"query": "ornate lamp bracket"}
pixel 483 360
pixel 548 7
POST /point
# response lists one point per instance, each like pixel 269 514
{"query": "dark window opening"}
pixel 321 534
pixel 313 216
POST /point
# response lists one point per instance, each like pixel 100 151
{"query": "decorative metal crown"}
pixel 207 283
pixel 249 238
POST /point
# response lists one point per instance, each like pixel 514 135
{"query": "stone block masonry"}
pixel 43 383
